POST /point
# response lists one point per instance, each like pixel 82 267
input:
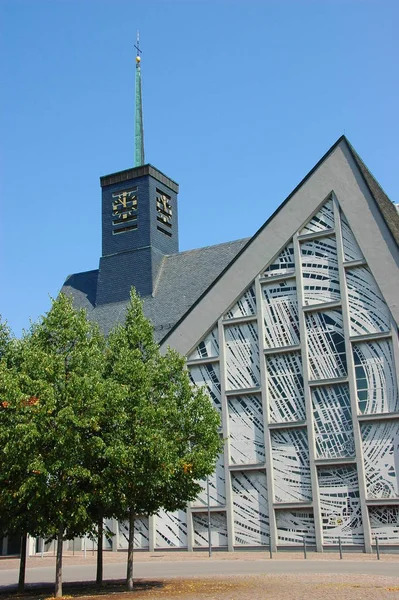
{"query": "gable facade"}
pixel 299 353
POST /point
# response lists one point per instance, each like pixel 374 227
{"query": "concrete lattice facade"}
pixel 303 368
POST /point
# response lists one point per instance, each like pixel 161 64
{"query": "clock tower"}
pixel 139 221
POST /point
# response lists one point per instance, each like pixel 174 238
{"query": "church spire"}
pixel 138 124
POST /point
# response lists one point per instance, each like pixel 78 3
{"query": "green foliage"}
pixel 5 338
pixel 168 432
pixel 91 428
pixel 54 387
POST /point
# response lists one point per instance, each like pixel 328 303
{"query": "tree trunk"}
pixel 58 564
pixel 130 552
pixel 100 535
pixel 22 563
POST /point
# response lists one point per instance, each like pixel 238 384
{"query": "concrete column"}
pixel 115 537
pixel 265 411
pixel 226 436
pixel 4 546
pixel 190 529
pixel 352 382
pixel 308 398
pixel 395 350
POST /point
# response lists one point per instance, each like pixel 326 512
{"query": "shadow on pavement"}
pixel 37 591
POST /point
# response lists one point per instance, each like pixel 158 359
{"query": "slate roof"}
pixel 387 208
pixel 182 279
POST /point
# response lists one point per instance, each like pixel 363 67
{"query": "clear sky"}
pixel 241 99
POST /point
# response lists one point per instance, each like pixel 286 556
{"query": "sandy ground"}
pixel 248 587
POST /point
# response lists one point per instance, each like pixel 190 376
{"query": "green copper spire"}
pixel 138 122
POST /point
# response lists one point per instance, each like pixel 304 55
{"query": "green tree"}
pixel 167 431
pixel 5 338
pixel 57 424
pixel 18 514
pixel 8 390
pixel 100 459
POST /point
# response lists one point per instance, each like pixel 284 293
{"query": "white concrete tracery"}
pixel 300 461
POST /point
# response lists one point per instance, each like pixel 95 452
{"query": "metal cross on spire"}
pixel 137 46
pixel 138 124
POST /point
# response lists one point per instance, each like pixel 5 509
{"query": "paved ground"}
pixel 244 587
pixel 184 564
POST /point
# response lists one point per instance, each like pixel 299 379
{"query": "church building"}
pixel 293 333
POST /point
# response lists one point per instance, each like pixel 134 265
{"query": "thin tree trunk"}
pixel 130 552
pixel 58 564
pixel 22 563
pixel 100 534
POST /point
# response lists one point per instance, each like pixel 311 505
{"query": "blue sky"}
pixel 241 99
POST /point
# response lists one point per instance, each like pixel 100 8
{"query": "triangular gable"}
pixel 307 211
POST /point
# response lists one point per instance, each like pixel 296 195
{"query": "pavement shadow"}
pixel 36 591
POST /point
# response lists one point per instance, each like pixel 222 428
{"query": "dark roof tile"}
pixel 182 279
pixel 386 206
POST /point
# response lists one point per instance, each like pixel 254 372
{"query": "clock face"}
pixel 124 210
pixel 124 204
pixel 164 208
